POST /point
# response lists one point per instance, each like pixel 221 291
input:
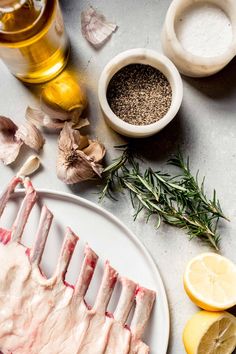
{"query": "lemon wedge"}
pixel 210 282
pixel 210 333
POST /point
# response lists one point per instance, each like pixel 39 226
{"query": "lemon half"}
pixel 210 282
pixel 210 333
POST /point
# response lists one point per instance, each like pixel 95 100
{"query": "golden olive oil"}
pixel 33 41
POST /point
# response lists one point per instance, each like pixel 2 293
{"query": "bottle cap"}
pixel 10 5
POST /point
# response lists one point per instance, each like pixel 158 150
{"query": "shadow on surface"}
pixel 162 145
pixel 83 189
pixel 219 86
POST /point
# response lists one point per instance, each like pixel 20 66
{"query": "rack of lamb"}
pixel 40 315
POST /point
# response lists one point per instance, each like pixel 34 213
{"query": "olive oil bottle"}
pixel 33 41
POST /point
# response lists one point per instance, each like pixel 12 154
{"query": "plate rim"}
pixel 92 205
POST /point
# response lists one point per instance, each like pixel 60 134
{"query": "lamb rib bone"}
pixel 40 315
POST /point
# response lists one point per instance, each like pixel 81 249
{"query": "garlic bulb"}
pixel 78 158
pixel 31 136
pixel 95 28
pixel 9 144
pixel 30 166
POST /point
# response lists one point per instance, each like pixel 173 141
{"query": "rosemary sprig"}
pixel 177 200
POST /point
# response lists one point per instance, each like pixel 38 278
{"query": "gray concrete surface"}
pixel 204 129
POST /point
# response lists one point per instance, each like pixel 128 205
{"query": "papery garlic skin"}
pixel 40 119
pixel 31 165
pixel 73 164
pixel 31 136
pixel 95 150
pixel 95 28
pixel 9 144
pixel 81 123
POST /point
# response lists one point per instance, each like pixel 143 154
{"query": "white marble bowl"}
pixel 148 57
pixel 190 64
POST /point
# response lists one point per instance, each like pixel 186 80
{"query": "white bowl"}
pixel 148 57
pixel 187 63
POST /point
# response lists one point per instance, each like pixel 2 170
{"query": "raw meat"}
pixel 49 316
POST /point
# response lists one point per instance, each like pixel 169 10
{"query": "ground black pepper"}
pixel 139 94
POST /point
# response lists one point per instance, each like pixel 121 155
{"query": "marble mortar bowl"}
pixel 140 56
pixel 186 62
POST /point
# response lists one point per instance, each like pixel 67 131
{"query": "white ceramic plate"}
pixel 110 239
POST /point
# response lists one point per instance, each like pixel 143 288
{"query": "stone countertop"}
pixel 204 129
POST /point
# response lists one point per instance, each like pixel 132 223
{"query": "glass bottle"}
pixel 33 41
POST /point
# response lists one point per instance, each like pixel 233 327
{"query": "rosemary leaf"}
pixel 178 200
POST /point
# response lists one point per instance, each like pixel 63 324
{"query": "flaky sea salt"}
pixel 203 29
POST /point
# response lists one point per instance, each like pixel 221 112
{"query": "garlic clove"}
pixel 35 116
pixel 73 164
pixel 9 144
pixel 95 150
pixel 40 119
pixel 70 138
pixel 91 167
pixel 30 135
pixel 83 142
pixel 63 96
pixel 30 166
pixel 95 28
